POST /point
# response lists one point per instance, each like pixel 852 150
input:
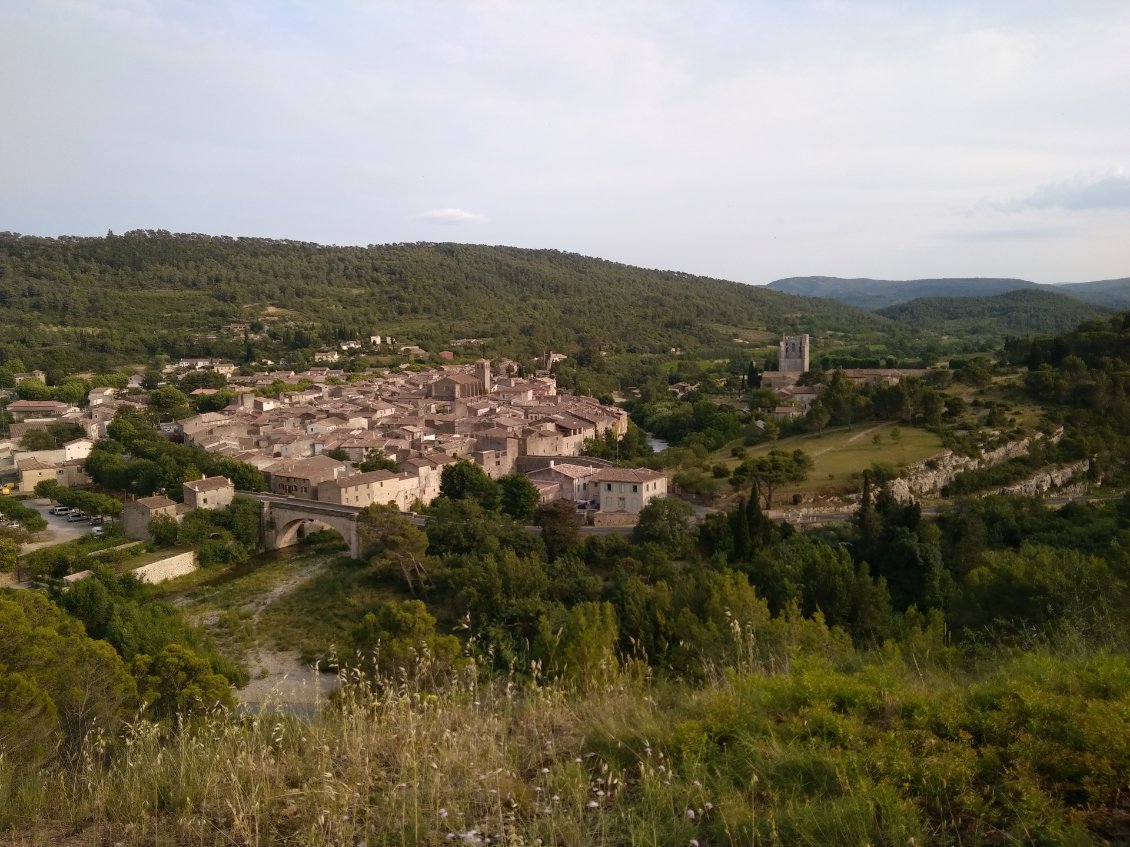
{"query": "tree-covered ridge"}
pixel 153 291
pixel 1019 312
pixel 879 293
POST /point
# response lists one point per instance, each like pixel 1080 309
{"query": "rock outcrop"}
pixel 926 479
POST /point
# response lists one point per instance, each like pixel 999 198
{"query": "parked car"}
pixel 77 515
pixel 59 510
pixel 97 531
pixel 97 520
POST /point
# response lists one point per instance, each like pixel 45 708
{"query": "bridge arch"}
pixel 299 528
pixel 282 518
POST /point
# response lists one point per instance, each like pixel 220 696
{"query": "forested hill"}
pixel 879 293
pixel 153 291
pixel 1019 312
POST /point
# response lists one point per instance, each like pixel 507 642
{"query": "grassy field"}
pixel 841 455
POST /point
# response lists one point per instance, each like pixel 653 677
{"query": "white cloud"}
pixel 453 216
pixel 1083 193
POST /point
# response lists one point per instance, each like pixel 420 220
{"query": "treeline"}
pixel 1083 379
pixel 668 595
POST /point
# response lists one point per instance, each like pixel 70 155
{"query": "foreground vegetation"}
pixel 900 746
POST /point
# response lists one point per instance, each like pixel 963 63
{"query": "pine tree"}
pixel 739 524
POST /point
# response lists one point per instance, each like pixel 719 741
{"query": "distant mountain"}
pixel 1023 311
pixel 1109 293
pixel 876 294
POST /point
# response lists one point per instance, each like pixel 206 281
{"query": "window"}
pixel 609 484
pixel 620 504
pixel 635 489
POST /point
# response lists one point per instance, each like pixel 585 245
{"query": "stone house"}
pixel 24 410
pixel 211 493
pixel 68 474
pixel 576 481
pixel 628 489
pixel 301 477
pixel 136 515
pixel 365 489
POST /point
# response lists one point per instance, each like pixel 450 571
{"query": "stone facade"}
pixel 211 493
pixel 628 489
pixel 794 354
pixel 137 515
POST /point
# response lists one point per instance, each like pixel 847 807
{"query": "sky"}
pixel 743 140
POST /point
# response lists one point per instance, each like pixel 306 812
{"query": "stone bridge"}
pixel 282 520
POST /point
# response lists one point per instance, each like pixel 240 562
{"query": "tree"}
pixel 392 542
pixel 669 523
pixel 375 460
pixel 48 488
pixel 402 637
pixel 458 527
pixel 777 468
pixel 33 389
pixel 163 530
pixel 518 496
pixel 560 529
pixel 465 480
pixel 85 680
pixel 178 683
pixel 169 403
pixel 752 377
pixel 241 519
pixel 842 399
pixel 9 554
pixel 580 644
pixel 38 439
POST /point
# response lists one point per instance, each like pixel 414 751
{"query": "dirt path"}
pixel 864 432
pixel 853 438
pixel 279 677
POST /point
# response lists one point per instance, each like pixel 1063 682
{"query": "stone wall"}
pixel 613 518
pixel 174 566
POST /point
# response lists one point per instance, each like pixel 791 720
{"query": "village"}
pixel 308 441
pixel 313 438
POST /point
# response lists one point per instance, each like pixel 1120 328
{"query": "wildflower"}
pixel 690 814
pixel 694 842
pixel 592 804
pixel 708 806
pixel 697 784
pixel 443 814
pixel 555 798
pixel 545 770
